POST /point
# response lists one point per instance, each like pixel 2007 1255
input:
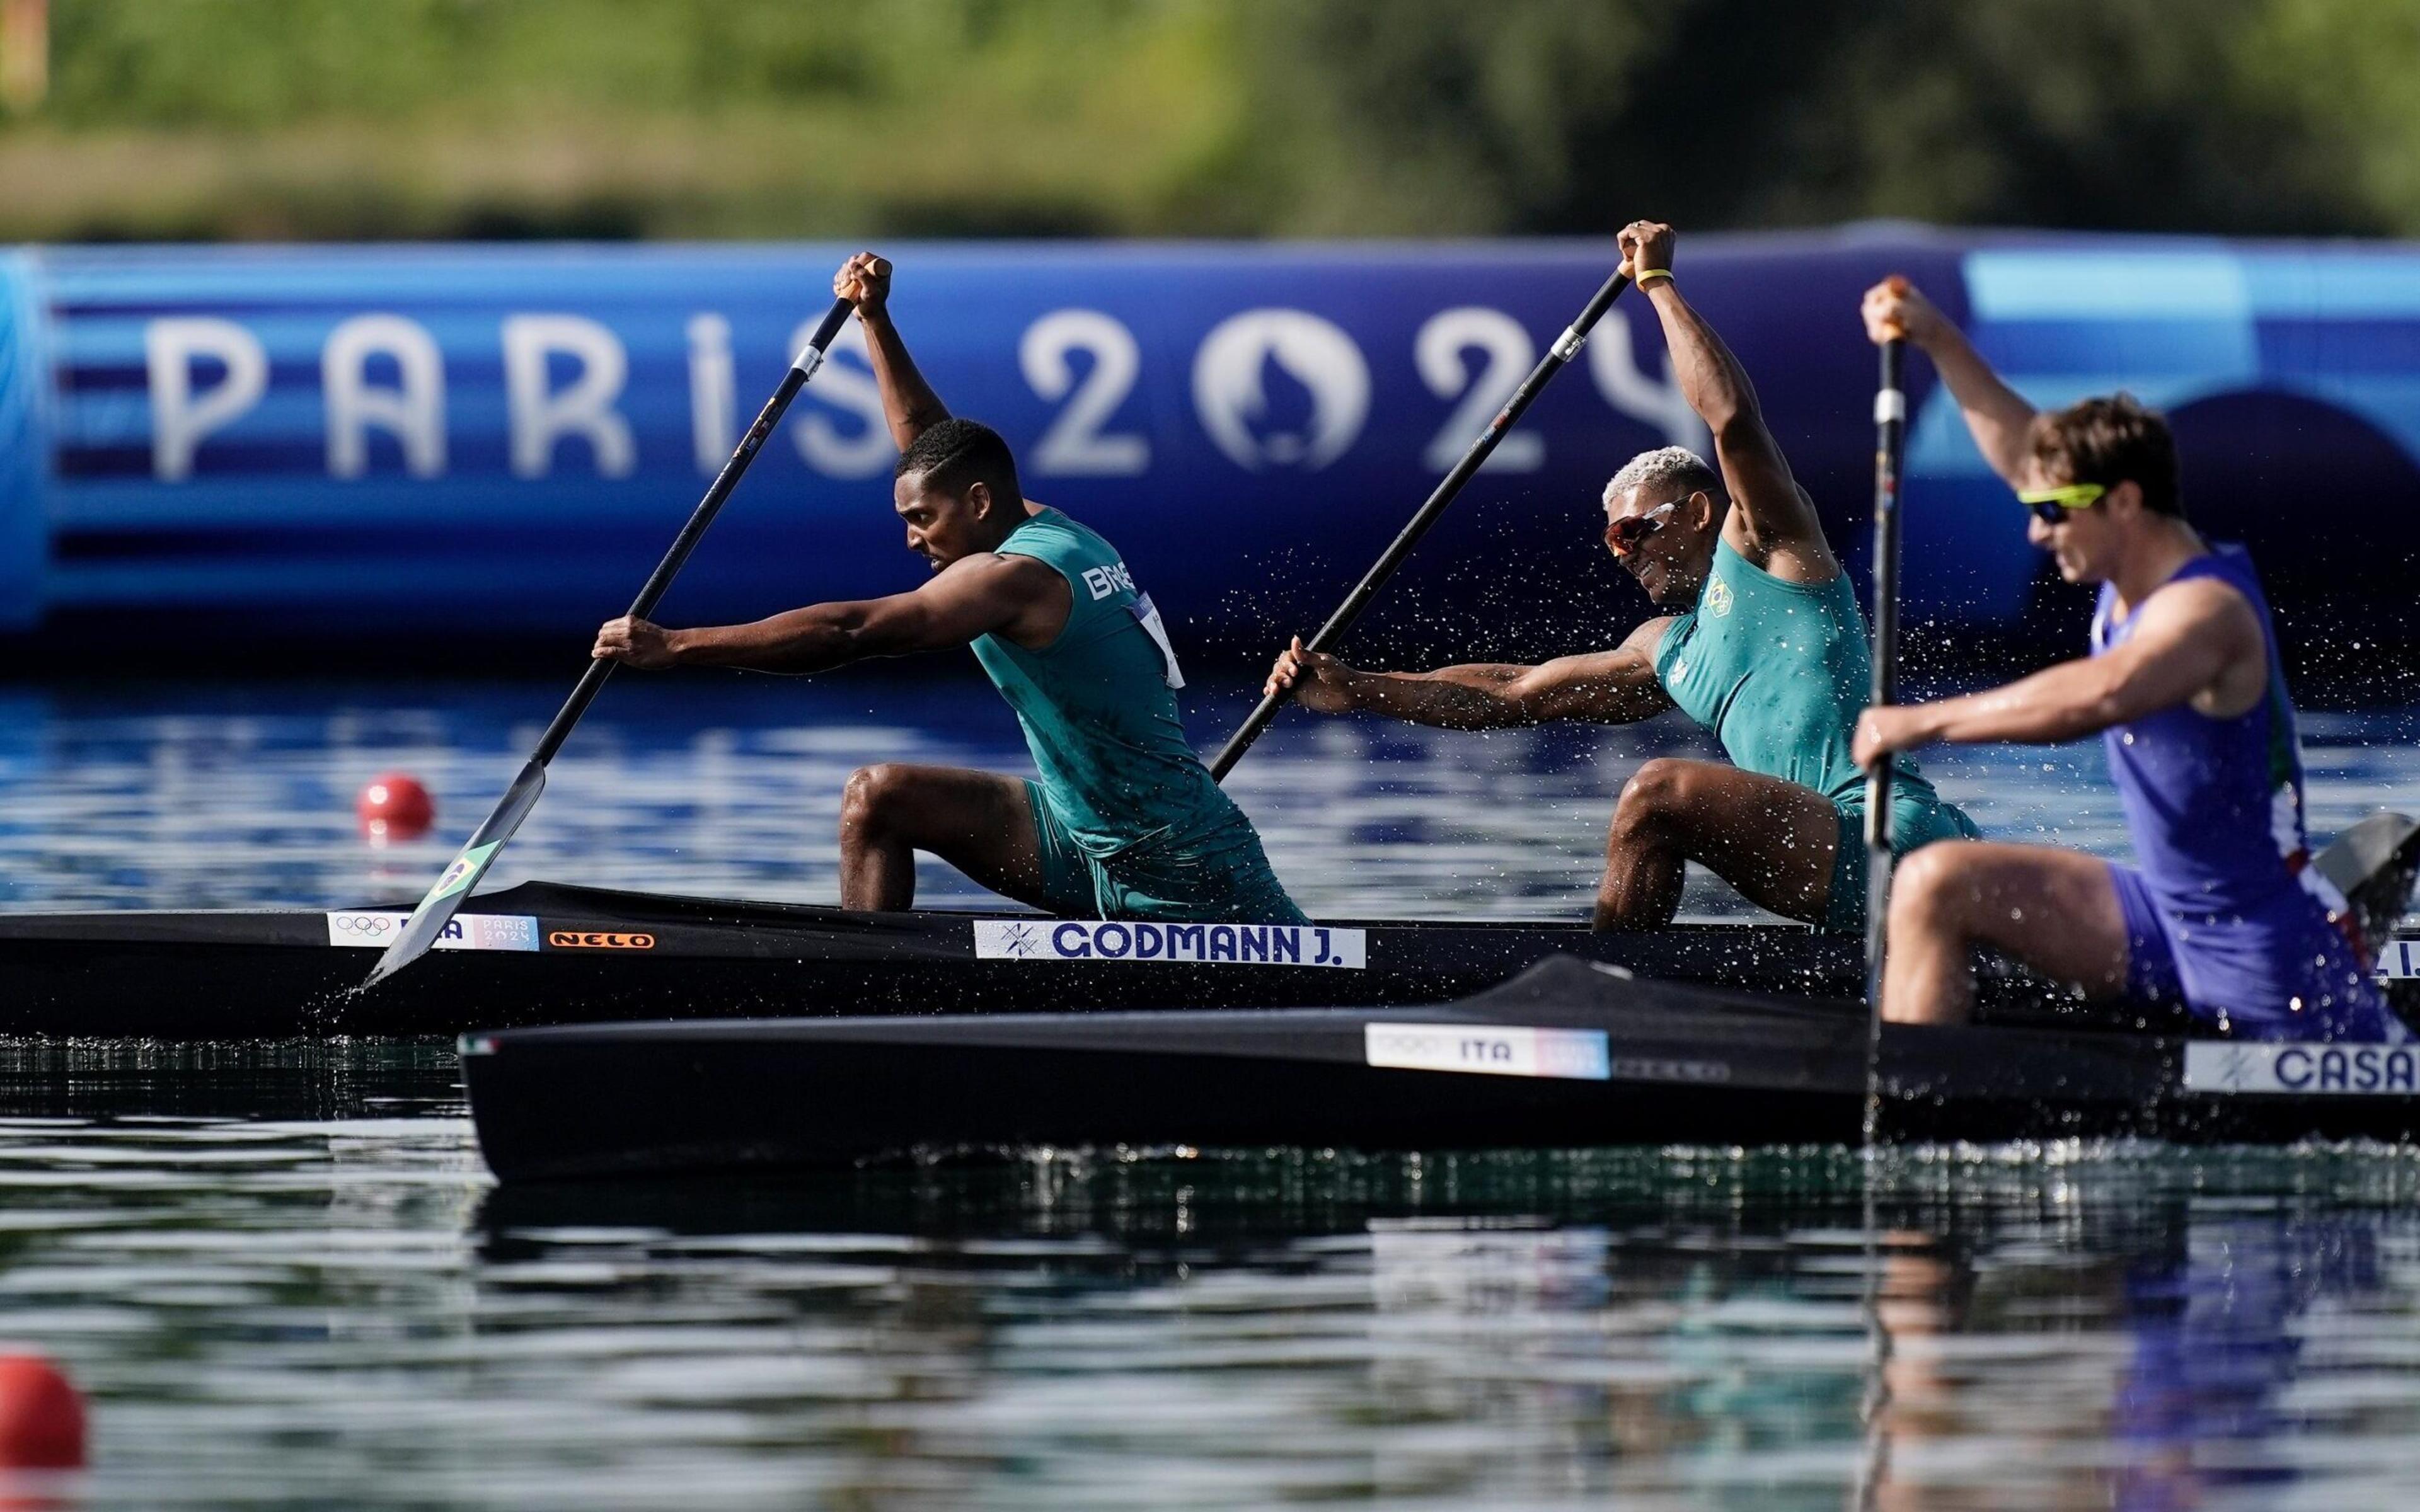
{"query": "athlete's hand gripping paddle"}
pixel 436 909
pixel 1564 349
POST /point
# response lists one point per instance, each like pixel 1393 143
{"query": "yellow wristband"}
pixel 1644 275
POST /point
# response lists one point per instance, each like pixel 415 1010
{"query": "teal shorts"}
pixel 1917 820
pixel 1219 878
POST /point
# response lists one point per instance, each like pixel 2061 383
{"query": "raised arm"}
pixel 1771 517
pixel 1997 415
pixel 1615 686
pixel 910 405
pixel 974 595
pixel 2196 643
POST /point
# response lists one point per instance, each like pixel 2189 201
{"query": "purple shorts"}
pixel 2281 972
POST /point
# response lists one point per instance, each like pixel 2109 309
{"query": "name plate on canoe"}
pixel 2303 1070
pixel 1487 1050
pixel 2400 960
pixel 1242 944
pixel 463 932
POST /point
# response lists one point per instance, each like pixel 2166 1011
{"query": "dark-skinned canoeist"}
pixel 1123 821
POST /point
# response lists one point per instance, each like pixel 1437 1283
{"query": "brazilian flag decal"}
pixel 464 871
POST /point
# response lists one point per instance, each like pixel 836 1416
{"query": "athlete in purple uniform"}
pixel 2222 914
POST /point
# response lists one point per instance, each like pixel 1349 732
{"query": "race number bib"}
pixel 1148 617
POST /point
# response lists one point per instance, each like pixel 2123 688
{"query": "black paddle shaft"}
pixel 1355 602
pixel 592 680
pixel 1890 441
pixel 436 910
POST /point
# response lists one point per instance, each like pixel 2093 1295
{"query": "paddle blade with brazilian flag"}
pixel 429 920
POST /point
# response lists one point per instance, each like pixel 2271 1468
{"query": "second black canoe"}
pixel 1572 1052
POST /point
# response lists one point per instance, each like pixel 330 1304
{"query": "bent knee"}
pixel 1926 884
pixel 1653 797
pixel 871 792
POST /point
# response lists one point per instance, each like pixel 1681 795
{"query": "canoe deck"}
pixel 552 953
pixel 544 953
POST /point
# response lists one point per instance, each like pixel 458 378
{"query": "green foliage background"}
pixel 403 118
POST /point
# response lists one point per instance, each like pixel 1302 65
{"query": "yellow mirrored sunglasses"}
pixel 2052 505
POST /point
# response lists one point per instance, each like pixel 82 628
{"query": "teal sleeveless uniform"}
pixel 1780 671
pixel 1130 823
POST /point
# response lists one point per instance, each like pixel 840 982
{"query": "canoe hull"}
pixel 1678 1065
pixel 546 953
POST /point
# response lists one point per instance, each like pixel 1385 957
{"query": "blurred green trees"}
pixel 371 118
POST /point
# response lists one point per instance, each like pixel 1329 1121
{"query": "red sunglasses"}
pixel 1623 536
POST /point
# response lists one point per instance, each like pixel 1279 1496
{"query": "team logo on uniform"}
pixel 1718 598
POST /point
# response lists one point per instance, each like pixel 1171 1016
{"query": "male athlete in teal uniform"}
pixel 1768 650
pixel 1125 822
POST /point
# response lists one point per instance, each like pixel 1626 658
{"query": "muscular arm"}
pixel 1997 415
pixel 1769 512
pixel 971 598
pixel 2194 642
pixel 910 405
pixel 1615 686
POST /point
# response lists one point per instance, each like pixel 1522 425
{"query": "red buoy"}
pixel 41 1417
pixel 394 806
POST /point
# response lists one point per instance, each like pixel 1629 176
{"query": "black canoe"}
pixel 1571 1053
pixel 548 953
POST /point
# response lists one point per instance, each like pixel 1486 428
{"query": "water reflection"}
pixel 2068 1326
pixel 2243 1355
pixel 197 796
pixel 283 1276
pixel 313 1313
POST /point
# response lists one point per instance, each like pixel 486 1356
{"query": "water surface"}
pixel 284 1276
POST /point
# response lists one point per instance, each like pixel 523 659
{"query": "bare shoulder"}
pixel 1647 639
pixel 2198 605
pixel 1000 574
pixel 1787 543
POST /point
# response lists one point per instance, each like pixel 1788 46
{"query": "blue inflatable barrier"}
pixel 25 446
pixel 494 441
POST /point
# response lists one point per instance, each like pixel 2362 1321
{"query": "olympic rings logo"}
pixel 372 924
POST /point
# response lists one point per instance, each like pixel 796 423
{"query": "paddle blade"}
pixel 427 921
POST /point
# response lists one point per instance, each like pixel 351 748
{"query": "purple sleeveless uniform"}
pixel 2224 913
